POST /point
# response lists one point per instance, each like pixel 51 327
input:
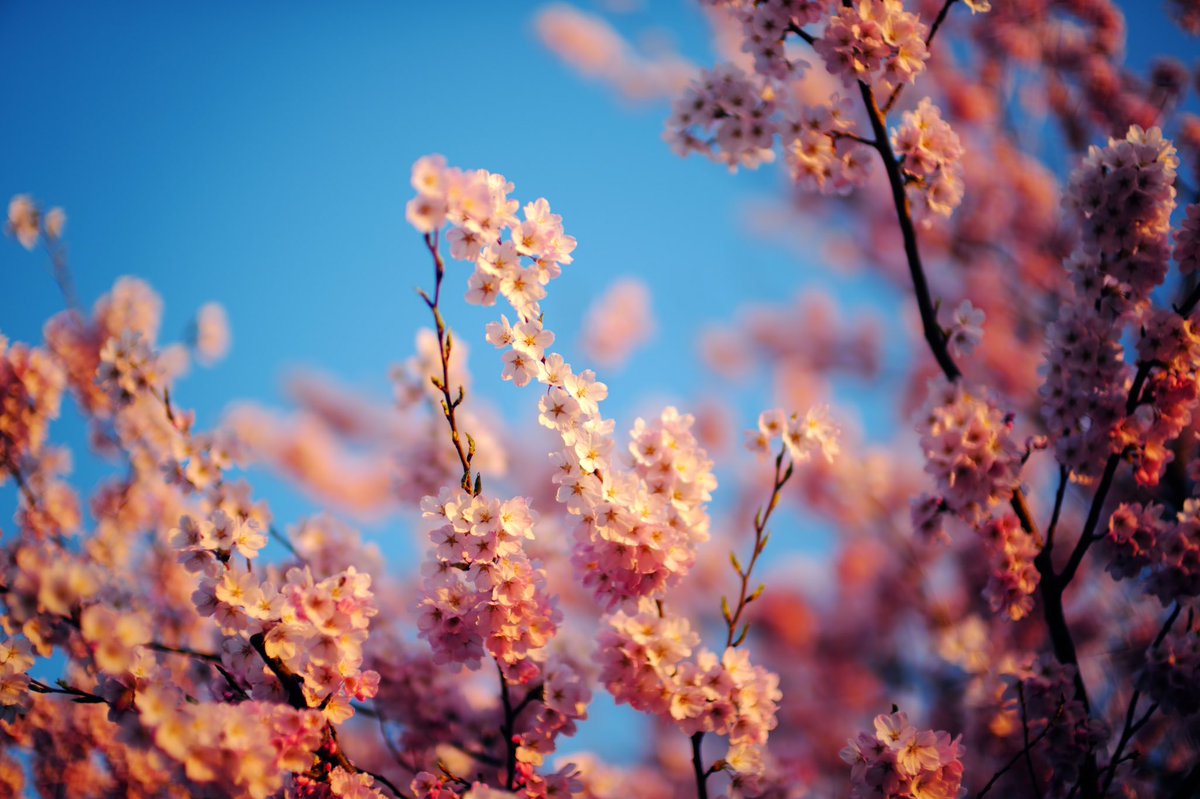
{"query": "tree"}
pixel 1019 618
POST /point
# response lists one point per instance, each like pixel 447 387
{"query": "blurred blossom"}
pixel 23 220
pixel 175 360
pixel 212 335
pixel 618 323
pixel 56 223
pixel 590 45
pixel 1187 15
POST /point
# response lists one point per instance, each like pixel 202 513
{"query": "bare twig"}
pixel 285 541
pixel 1131 727
pixel 1007 767
pixel 450 403
pixel 734 616
pixel 82 697
pixel 1033 780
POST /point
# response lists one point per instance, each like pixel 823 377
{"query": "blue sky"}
pixel 238 153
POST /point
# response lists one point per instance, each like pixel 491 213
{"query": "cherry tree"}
pixel 1010 604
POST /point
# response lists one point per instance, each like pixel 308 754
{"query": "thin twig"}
pixel 1017 757
pixel 285 541
pixel 337 755
pixel 733 617
pixel 183 650
pixel 1033 780
pixel 211 659
pixel 449 402
pixel 61 272
pixel 1131 727
pixel 837 134
pixel 81 696
pixel 1064 477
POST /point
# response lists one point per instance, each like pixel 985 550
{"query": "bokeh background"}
pixel 257 154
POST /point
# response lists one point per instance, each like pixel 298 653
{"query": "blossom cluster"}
pixel 31 386
pixel 726 115
pixel 618 322
pixel 876 42
pixel 119 375
pixel 899 761
pixel 480 590
pixel 765 26
pixel 16 658
pixel 1085 376
pixel 821 148
pixel 931 159
pixel 1172 670
pixel 803 436
pixel 354 785
pixel 1170 343
pixel 970 450
pixel 250 745
pixel 479 211
pixel 963 328
pixel 1141 543
pixel 733 116
pixel 638 525
pixel 649 661
pixel 131 310
pixel 565 695
pixel 309 632
pixel 1012 575
pixel 1122 196
pixel 28 224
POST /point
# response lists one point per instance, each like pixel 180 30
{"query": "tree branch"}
pixel 449 402
pixel 698 766
pixel 732 618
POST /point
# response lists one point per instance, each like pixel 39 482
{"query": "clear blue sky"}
pixel 259 154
